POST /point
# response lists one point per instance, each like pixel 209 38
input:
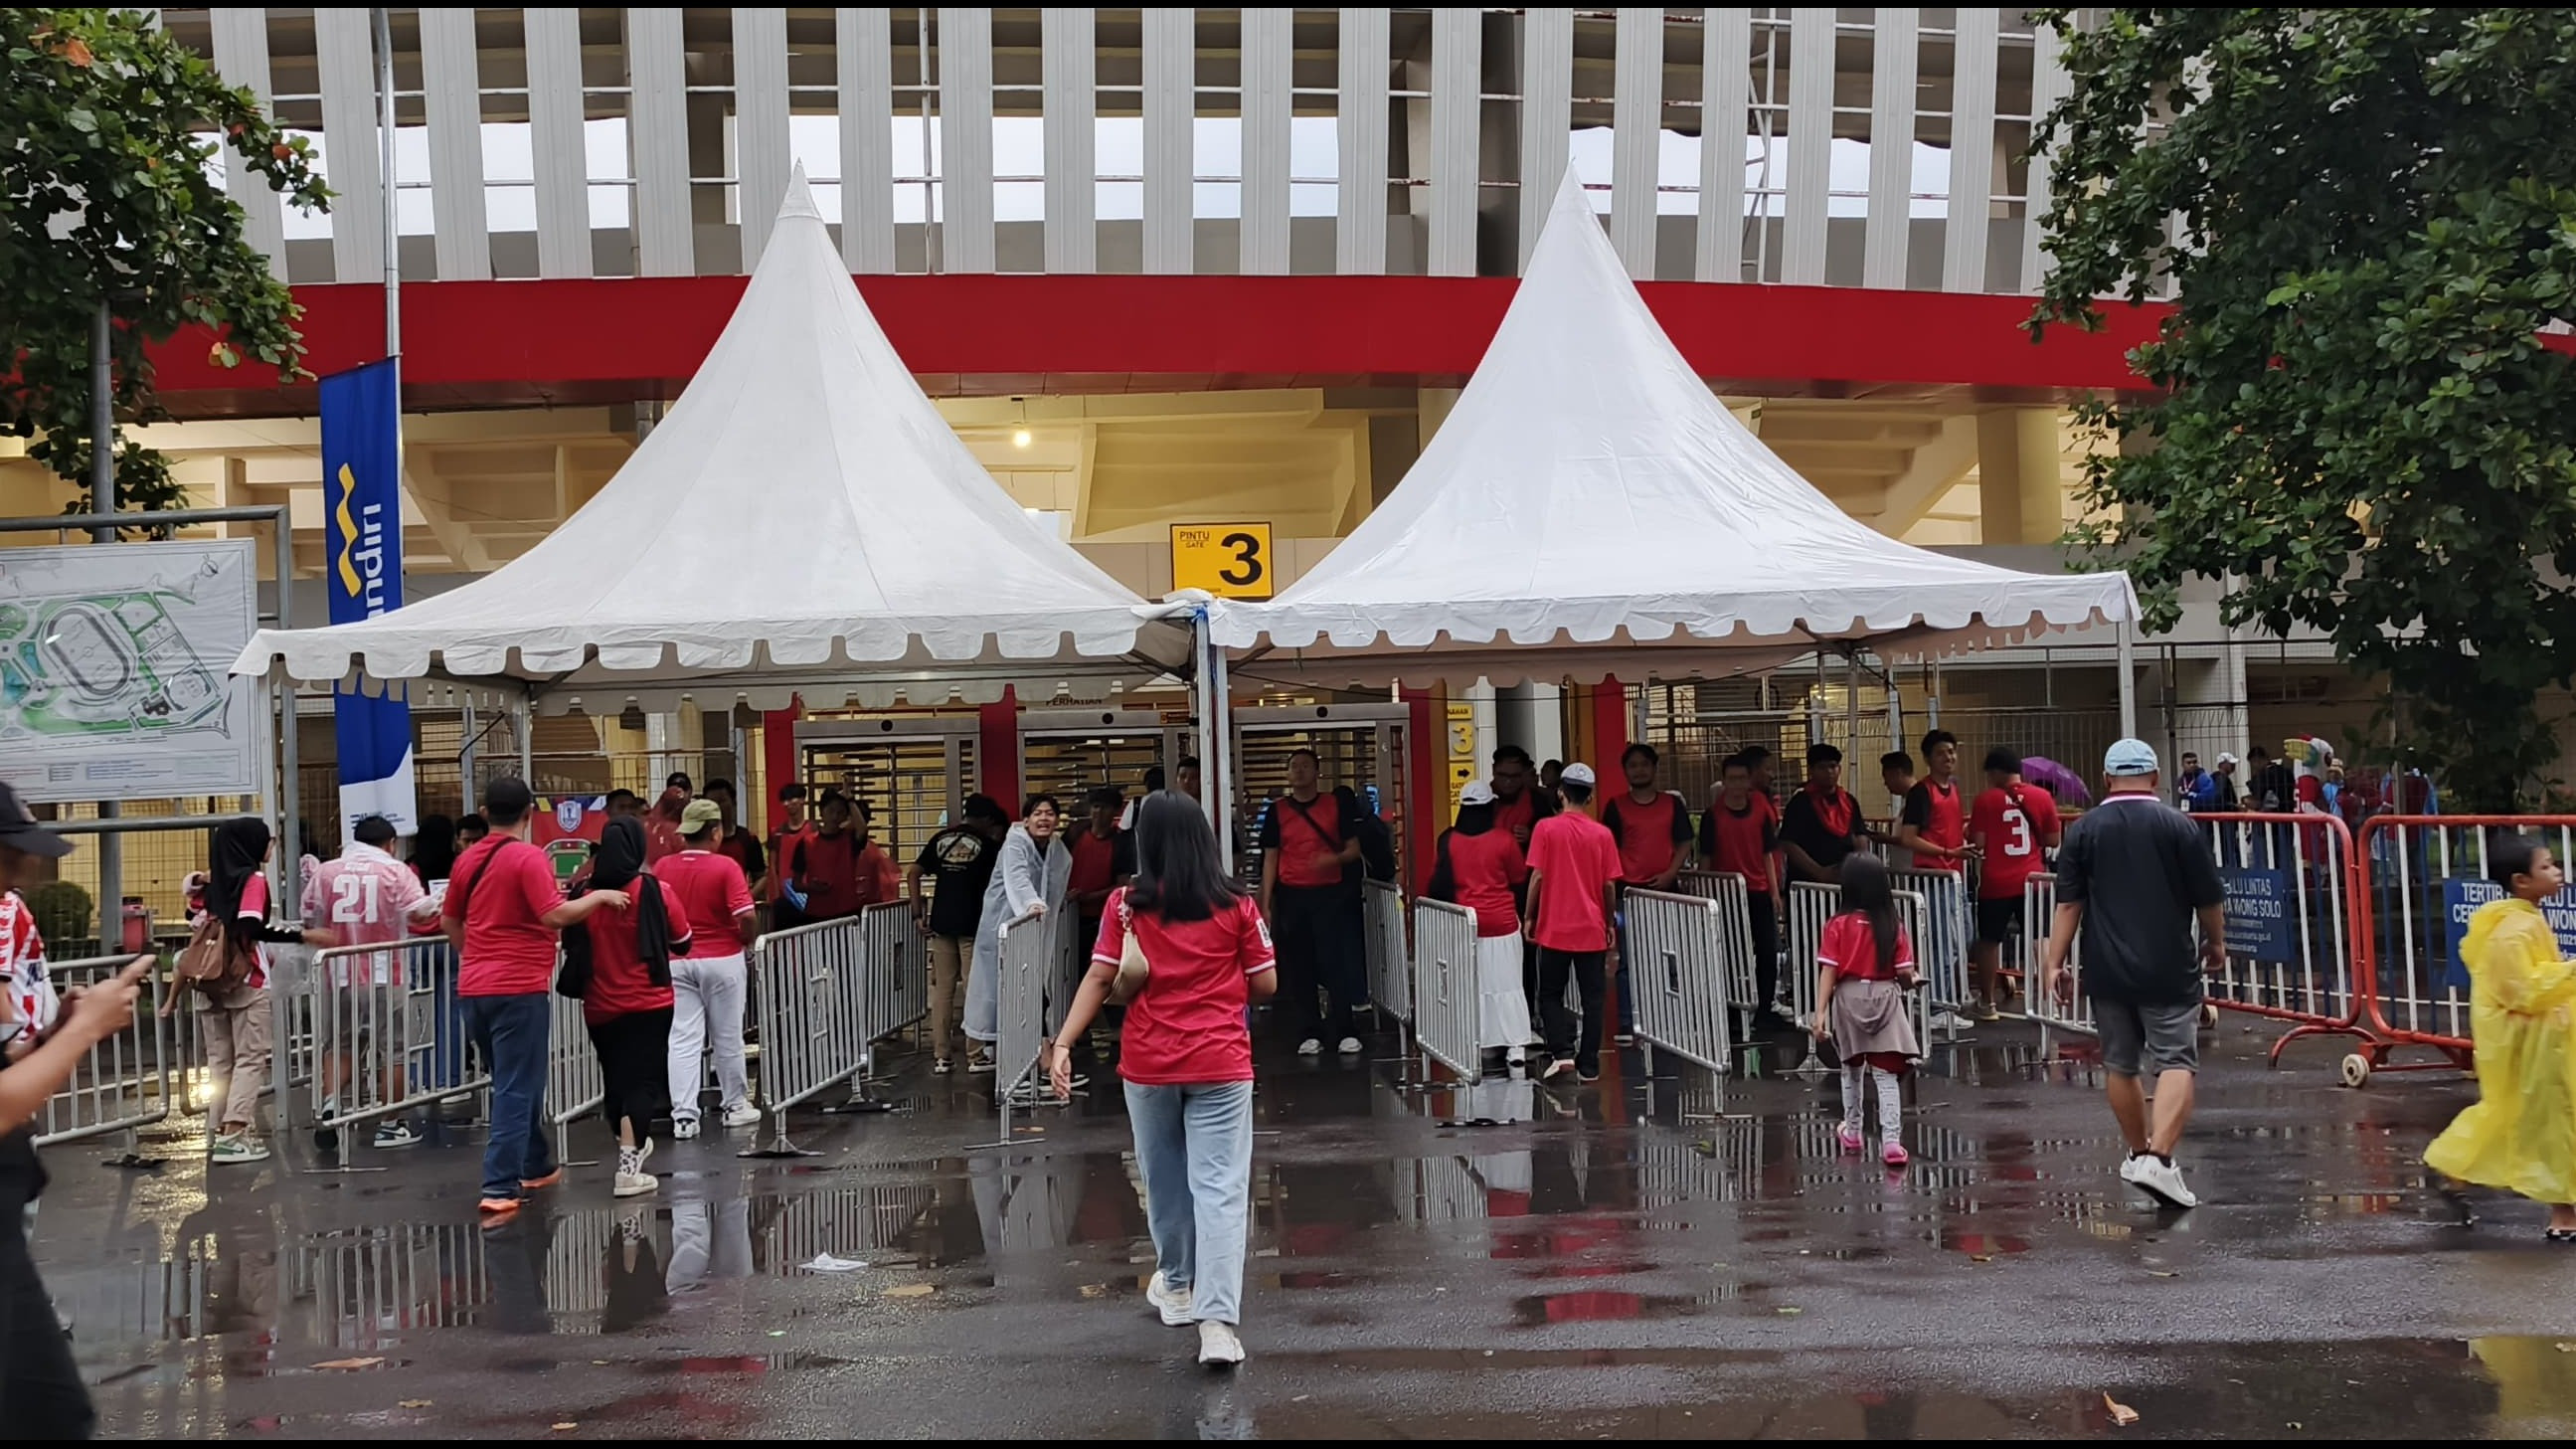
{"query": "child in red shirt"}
pixel 1864 967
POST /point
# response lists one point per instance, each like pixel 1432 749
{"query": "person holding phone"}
pixel 38 1379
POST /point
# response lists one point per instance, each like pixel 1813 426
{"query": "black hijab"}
pixel 619 863
pixel 240 849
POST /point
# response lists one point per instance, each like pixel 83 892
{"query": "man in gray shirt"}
pixel 2133 874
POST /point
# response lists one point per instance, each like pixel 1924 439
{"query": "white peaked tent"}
pixel 802 522
pixel 1589 508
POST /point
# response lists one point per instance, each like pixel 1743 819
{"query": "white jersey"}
pixel 368 898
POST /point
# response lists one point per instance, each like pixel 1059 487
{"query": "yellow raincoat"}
pixel 2521 1135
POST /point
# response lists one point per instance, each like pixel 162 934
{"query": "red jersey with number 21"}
pixel 2012 825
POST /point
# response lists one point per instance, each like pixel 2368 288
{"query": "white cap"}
pixel 2225 758
pixel 1578 774
pixel 1476 792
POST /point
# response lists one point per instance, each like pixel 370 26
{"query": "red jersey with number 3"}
pixel 2012 824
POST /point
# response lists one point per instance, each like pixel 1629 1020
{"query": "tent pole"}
pixel 527 735
pixel 1220 796
pixel 2128 681
pixel 1851 701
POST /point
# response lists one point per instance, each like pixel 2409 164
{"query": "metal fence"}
pixel 1679 948
pixel 809 987
pixel 2073 1011
pixel 2293 922
pixel 1027 955
pixel 385 1035
pixel 575 1086
pixel 1811 905
pixel 2423 877
pixel 1941 951
pixel 1446 987
pixel 1390 963
pixel 123 1082
pixel 1735 922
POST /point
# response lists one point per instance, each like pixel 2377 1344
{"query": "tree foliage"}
pixel 111 184
pixel 2370 220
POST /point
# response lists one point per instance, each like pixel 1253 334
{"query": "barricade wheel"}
pixel 2356 1070
pixel 2208 1017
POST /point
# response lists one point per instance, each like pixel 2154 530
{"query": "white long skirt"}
pixel 1502 1011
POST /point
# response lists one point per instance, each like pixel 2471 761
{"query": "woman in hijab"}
pixel 1031 874
pixel 619 963
pixel 233 1017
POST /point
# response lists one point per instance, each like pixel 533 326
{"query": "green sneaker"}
pixel 238 1147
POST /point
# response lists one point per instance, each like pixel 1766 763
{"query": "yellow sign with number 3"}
pixel 1229 560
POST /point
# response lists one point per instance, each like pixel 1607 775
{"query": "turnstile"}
pixel 1070 752
pixel 1359 745
pixel 914 771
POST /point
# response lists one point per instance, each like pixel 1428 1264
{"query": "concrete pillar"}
pixel 2021 497
pixel 1433 410
pixel 1532 716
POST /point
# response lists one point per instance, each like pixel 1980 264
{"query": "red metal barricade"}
pixel 2423 875
pixel 2298 939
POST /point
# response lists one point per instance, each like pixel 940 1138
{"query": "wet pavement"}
pixel 1659 1257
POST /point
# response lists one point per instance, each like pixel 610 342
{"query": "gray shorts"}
pixel 2164 1033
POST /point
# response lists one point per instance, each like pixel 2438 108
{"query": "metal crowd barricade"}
pixel 2073 1012
pixel 1068 960
pixel 1390 962
pixel 898 968
pixel 1028 943
pixel 1677 945
pixel 1735 923
pixel 2297 937
pixel 1941 950
pixel 574 1085
pixel 379 1034
pixel 1446 988
pixel 2425 875
pixel 810 983
pixel 123 1083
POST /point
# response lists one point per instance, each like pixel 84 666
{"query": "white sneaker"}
pixel 635 1184
pixel 1310 1047
pixel 1173 1303
pixel 1949 1021
pixel 742 1114
pixel 1218 1347
pixel 1516 1057
pixel 684 1129
pixel 1781 1010
pixel 395 1133
pixel 2158 1179
pixel 1350 1046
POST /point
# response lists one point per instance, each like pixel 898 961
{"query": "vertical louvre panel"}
pixel 1637 123
pixel 2047 88
pixel 1725 95
pixel 1359 234
pixel 345 54
pixel 555 133
pixel 760 122
pixel 241 54
pixel 1072 104
pixel 866 104
pixel 1170 99
pixel 1547 114
pixel 1457 60
pixel 657 129
pixel 1811 129
pixel 966 140
pixel 1885 234
pixel 1972 152
pixel 1267 106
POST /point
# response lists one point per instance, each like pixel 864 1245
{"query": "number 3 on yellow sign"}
pixel 1229 560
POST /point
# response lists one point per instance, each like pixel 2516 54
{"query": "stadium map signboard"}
pixel 113 661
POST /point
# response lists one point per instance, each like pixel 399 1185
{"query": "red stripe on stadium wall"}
pixel 595 340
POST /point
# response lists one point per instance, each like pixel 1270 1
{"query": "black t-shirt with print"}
pixel 959 863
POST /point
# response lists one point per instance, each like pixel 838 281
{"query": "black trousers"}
pixel 1766 956
pixel 41 1396
pixel 1565 1038
pixel 1318 938
pixel 634 1067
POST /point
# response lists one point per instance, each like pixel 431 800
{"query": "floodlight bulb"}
pixel 1019 437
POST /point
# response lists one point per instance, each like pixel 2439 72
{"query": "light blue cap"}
pixel 2129 757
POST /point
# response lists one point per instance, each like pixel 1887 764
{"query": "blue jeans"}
pixel 512 1032
pixel 1194 1148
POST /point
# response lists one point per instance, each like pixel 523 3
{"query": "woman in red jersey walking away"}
pixel 1191 951
pixel 620 963
pixel 1864 968
pixel 1480 866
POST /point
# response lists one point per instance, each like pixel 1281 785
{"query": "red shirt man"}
pixel 715 897
pixel 1574 868
pixel 1934 822
pixel 2014 824
pixel 499 896
pixel 1651 825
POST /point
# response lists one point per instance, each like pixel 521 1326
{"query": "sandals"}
pixel 2558 1235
